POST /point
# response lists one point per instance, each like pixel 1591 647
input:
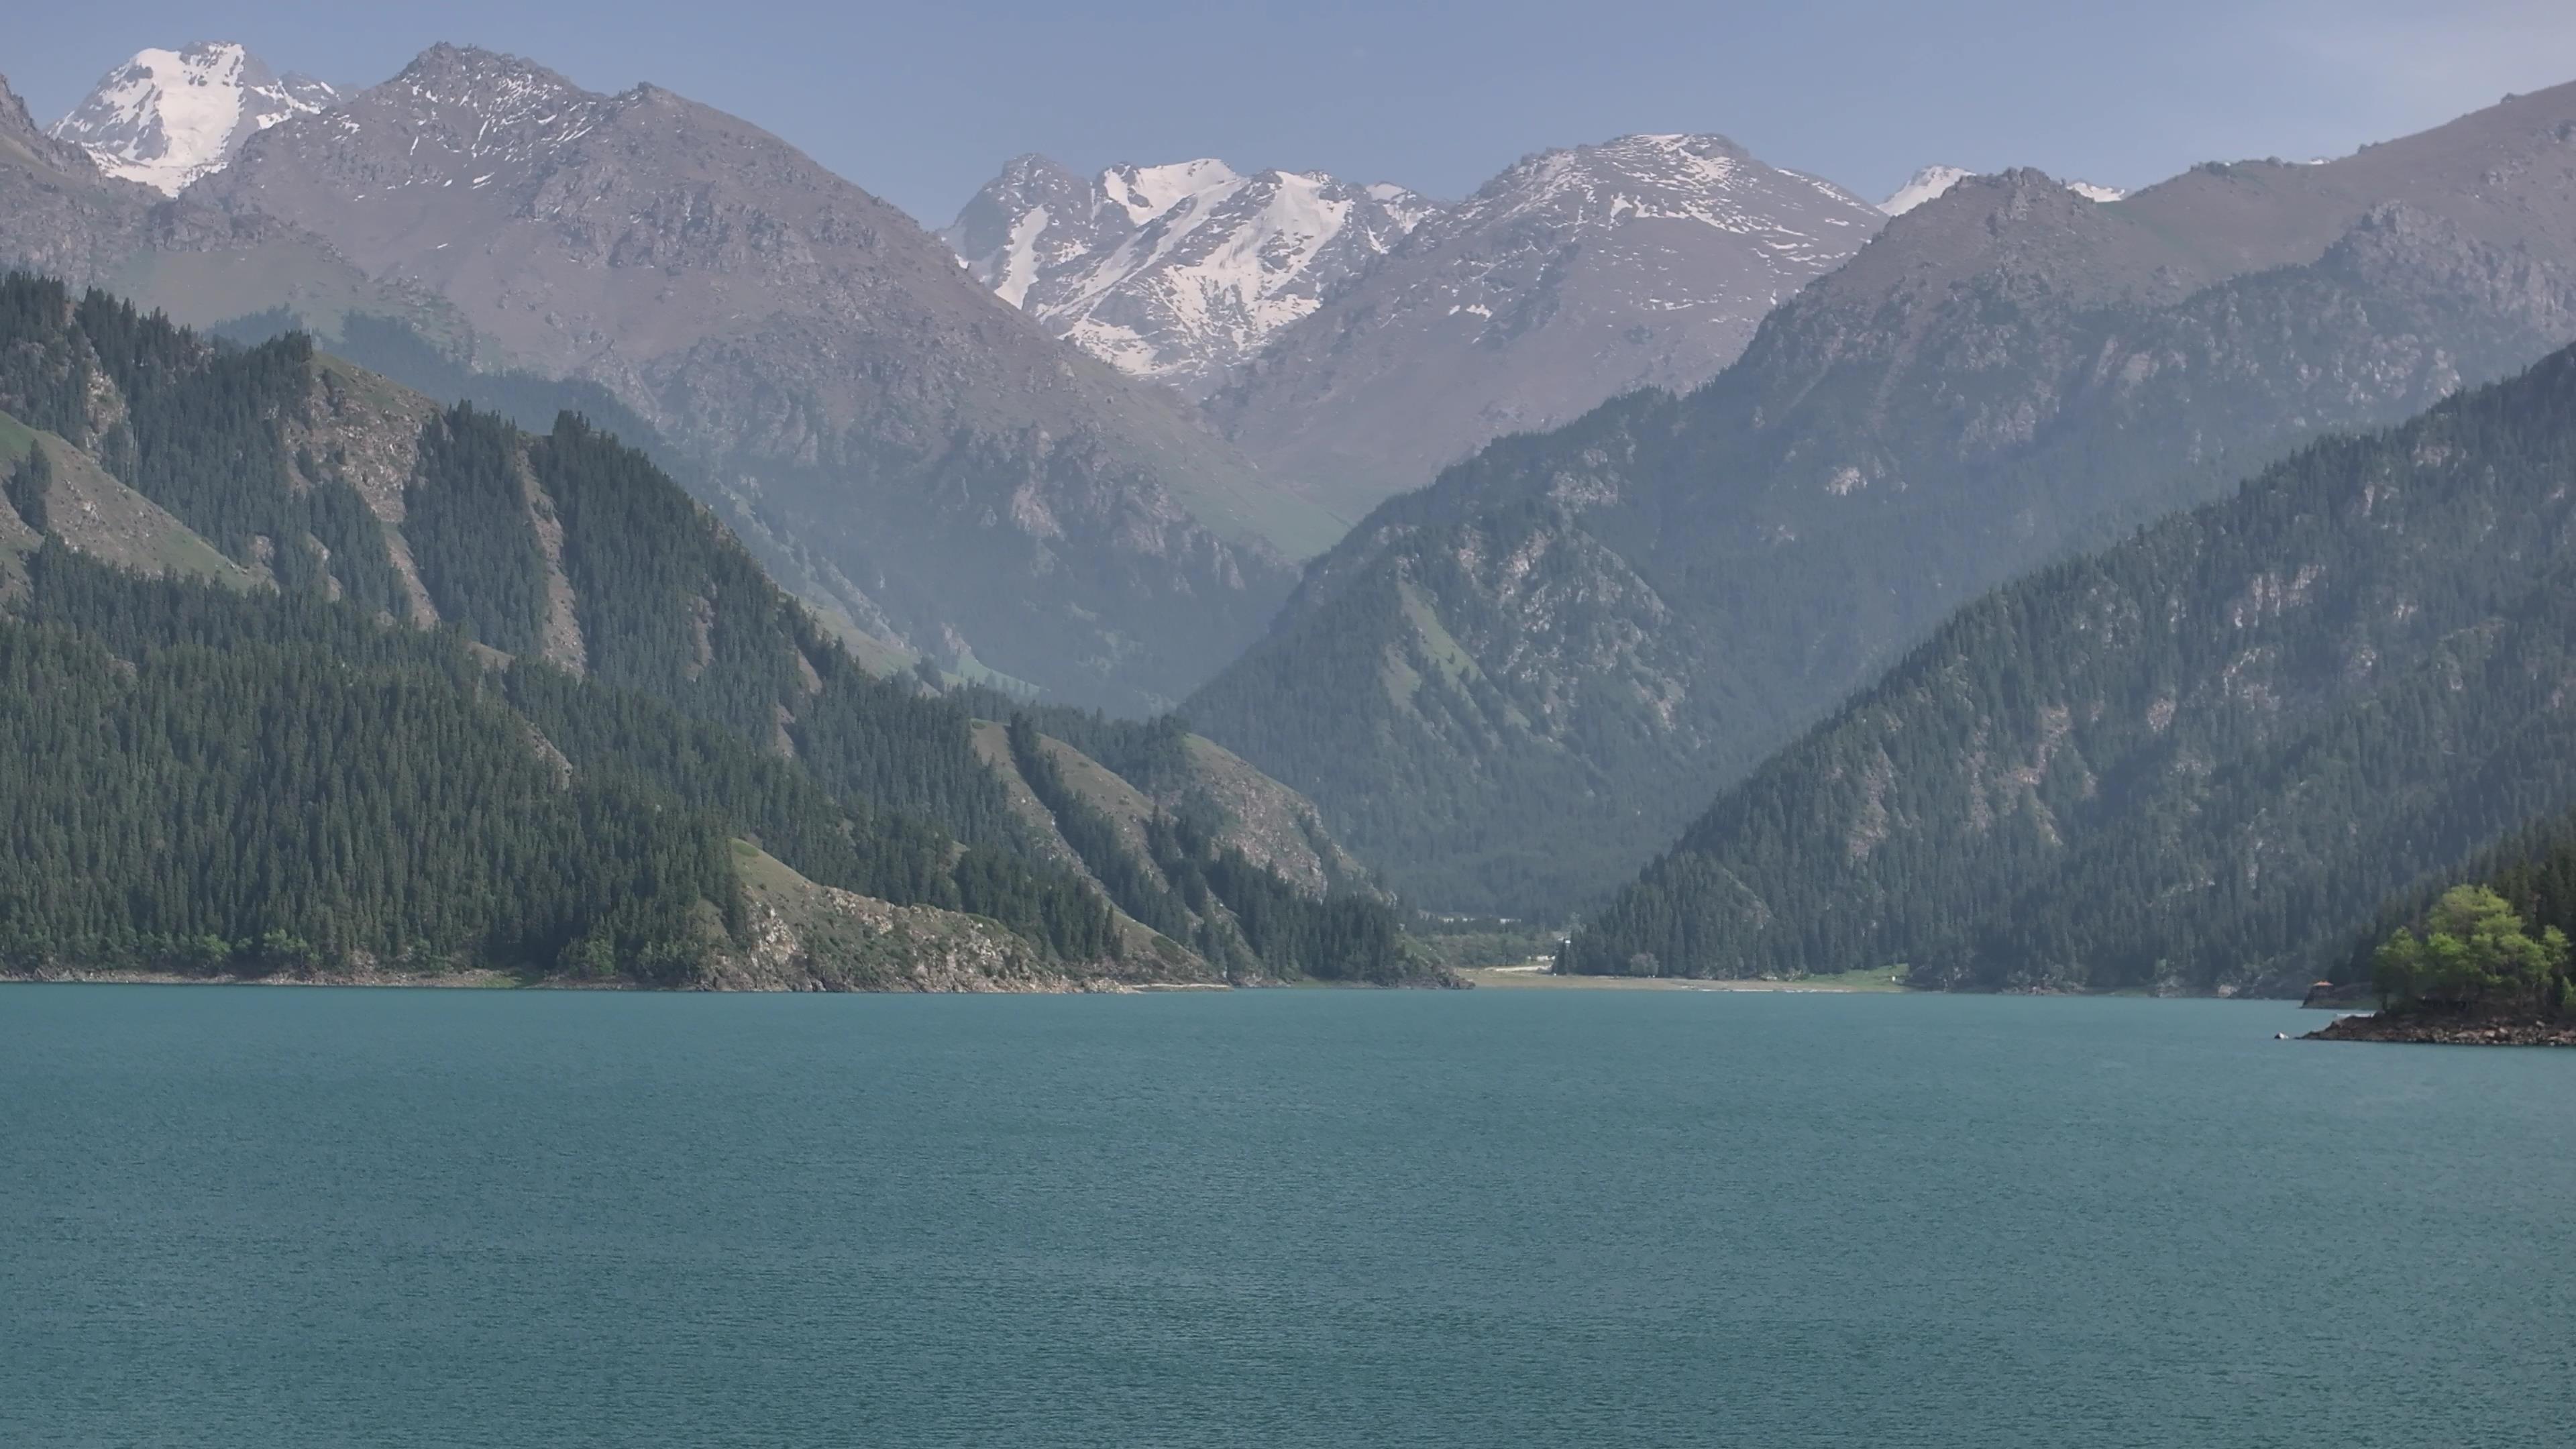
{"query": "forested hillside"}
pixel 2197 760
pixel 409 582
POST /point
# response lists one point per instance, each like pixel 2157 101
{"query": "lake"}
pixel 292 1217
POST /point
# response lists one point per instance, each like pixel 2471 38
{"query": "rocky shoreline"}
pixel 2448 1030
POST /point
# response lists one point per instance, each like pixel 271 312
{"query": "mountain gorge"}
pixel 1541 664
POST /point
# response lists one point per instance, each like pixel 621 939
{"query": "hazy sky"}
pixel 922 100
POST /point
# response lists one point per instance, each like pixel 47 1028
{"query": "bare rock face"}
pixel 900 444
pixel 2009 372
pixel 808 937
pixel 2426 1029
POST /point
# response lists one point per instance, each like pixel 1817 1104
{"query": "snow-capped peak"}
pixel 1932 181
pixel 1925 184
pixel 1175 272
pixel 167 117
pixel 1146 192
pixel 1702 178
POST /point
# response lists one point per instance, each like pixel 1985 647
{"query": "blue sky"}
pixel 922 100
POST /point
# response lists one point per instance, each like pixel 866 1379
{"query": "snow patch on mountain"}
pixel 1925 184
pixel 167 117
pixel 1933 181
pixel 1146 192
pixel 1177 272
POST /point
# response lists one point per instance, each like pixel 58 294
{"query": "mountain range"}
pixel 1353 340
pixel 1517 683
pixel 923 462
pixel 1710 447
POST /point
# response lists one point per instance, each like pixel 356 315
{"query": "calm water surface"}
pixel 286 1218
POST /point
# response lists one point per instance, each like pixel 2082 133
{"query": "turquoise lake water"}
pixel 245 1217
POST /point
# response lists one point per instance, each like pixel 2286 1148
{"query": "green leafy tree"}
pixel 2474 950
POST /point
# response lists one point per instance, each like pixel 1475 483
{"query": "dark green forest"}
pixel 265 804
pixel 2198 760
pixel 231 776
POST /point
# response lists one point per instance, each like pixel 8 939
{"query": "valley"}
pixel 1111 725
pixel 1282 561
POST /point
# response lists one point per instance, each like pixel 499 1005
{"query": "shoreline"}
pixel 489 980
pixel 1534 978
pixel 2447 1031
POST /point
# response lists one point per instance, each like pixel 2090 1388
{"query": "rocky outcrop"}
pixel 807 937
pixel 2430 1029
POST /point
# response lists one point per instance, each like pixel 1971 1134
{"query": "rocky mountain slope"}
pixel 59 213
pixel 2197 761
pixel 334 505
pixel 167 117
pixel 1176 273
pixel 918 458
pixel 1533 664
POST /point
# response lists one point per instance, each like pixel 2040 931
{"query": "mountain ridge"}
pixel 2197 761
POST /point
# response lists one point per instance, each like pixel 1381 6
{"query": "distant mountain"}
pixel 167 117
pixel 921 460
pixel 2197 761
pixel 1514 685
pixel 1573 276
pixel 1932 181
pixel 1921 187
pixel 1176 273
